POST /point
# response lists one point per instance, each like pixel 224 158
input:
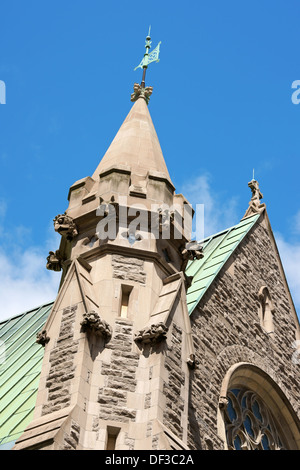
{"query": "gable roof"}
pixel 19 374
pixel 216 249
pixel 20 367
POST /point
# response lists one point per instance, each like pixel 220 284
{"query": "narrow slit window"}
pixel 125 295
pixel 112 434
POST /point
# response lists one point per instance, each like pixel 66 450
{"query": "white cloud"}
pixel 219 213
pixel 25 283
pixel 290 257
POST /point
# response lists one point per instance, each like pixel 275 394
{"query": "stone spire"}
pixel 118 341
pixel 136 146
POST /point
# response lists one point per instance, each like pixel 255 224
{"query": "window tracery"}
pixel 249 423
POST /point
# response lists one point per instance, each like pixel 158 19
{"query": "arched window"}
pixel 249 423
pixel 254 413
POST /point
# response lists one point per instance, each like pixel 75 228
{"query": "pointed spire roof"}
pixel 136 145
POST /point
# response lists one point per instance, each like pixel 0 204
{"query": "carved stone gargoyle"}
pixel 191 250
pixel 65 226
pixel 54 261
pixel 94 323
pixel 42 338
pixel 138 92
pixel 152 334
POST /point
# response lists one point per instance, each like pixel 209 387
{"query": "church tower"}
pixel 156 342
pixel 118 344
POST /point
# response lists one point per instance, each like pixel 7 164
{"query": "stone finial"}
pixel 42 338
pixel 255 206
pixel 152 334
pixel 54 261
pixel 93 323
pixel 140 92
pixel 65 226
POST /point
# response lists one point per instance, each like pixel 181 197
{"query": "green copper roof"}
pixel 217 249
pixel 20 368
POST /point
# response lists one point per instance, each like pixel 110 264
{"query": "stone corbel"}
pixel 152 334
pixel 94 323
pixel 42 338
pixel 65 226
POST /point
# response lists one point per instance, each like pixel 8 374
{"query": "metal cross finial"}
pixel 148 58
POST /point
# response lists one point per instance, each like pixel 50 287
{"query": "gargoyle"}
pixel 65 226
pixel 152 334
pixel 93 323
pixel 42 338
pixel 54 261
pixel 191 250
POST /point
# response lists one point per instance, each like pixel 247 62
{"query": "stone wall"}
pixel 62 364
pixel 130 269
pixel 172 388
pixel 226 331
pixel 120 375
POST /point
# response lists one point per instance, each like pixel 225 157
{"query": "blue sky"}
pixel 221 106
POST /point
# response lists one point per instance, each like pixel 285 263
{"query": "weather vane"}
pixel 148 57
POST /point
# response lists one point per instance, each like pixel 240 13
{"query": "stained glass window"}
pixel 250 424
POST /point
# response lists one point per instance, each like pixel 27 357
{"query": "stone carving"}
pixel 266 310
pixel 54 261
pixel 92 322
pixel 223 402
pixel 255 207
pixel 191 361
pixel 152 334
pixel 140 92
pixel 65 226
pixel 191 250
pixel 42 338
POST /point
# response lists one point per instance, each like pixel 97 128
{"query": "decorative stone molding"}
pixel 42 338
pixel 93 323
pixel 152 334
pixel 140 92
pixel 65 226
pixel 54 261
